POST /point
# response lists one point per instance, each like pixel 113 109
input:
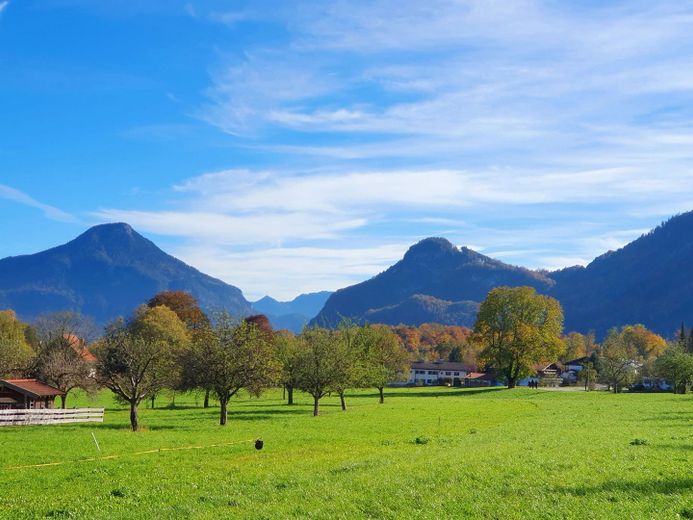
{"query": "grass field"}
pixel 490 453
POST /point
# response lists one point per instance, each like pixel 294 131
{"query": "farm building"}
pixel 438 373
pixel 478 379
pixel 26 393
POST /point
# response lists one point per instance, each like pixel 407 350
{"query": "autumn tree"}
pixel 15 351
pixel 646 344
pixel 578 345
pixel 184 305
pixel 235 355
pixel 139 358
pixel 196 321
pixel 321 364
pixel 518 328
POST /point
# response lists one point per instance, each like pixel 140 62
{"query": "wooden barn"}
pixel 26 394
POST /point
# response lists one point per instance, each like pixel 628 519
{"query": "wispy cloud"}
pixel 542 132
pixel 51 212
pixel 3 5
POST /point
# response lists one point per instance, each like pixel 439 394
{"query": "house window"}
pixel 457 373
pixel 432 372
pixel 420 371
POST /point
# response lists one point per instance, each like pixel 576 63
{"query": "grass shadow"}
pixel 449 392
pixel 648 487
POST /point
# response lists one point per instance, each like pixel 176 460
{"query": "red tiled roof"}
pixel 80 348
pixel 31 387
pixel 480 375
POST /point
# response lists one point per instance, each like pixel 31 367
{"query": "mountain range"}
pixel 292 315
pixel 106 272
pixel 648 281
pixel 111 269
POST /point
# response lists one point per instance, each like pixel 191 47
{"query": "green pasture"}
pixel 426 453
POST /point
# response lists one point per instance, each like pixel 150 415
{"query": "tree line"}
pixel 519 328
pixel 169 343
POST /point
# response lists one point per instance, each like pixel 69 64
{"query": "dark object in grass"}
pixel 472 431
pixel 421 440
pixel 638 442
pixel 259 444
pixel 119 493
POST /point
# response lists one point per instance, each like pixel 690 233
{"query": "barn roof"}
pixel 31 387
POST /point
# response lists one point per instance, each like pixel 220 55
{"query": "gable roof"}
pixel 479 375
pixel 80 347
pixel 31 387
pixel 579 361
pixel 442 365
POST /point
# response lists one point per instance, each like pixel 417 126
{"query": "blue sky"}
pixel 288 147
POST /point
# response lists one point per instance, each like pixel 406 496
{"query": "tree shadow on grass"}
pixel 672 419
pixel 143 426
pixel 683 447
pixel 648 487
pixel 450 392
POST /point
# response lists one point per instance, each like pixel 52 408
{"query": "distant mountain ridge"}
pixel 106 272
pixel 454 281
pixel 292 315
pixel 648 281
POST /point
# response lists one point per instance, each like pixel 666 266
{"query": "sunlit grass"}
pixel 489 453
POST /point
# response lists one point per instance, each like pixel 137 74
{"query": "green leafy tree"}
pixel 231 356
pixel 518 328
pixel 618 361
pixel 321 367
pixel 15 352
pixel 142 357
pixel 385 359
pixel 676 366
pixel 352 359
pixel 288 350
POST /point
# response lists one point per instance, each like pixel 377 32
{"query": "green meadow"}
pixel 426 453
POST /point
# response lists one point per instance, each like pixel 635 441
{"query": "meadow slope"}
pixel 489 453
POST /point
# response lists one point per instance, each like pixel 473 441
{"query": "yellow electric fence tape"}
pixel 147 452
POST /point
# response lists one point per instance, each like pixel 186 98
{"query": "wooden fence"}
pixel 50 416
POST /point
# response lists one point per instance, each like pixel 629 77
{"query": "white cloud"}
pixel 51 212
pixel 542 132
pixel 285 272
pixel 3 5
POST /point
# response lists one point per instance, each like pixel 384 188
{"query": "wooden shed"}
pixel 26 394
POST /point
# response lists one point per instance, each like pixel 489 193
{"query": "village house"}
pixel 545 374
pixel 573 368
pixel 479 379
pixel 26 394
pixel 438 372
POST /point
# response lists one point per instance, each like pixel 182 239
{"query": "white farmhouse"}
pixel 438 373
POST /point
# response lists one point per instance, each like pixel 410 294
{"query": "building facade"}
pixel 425 373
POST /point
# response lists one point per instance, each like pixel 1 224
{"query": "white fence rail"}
pixel 50 416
